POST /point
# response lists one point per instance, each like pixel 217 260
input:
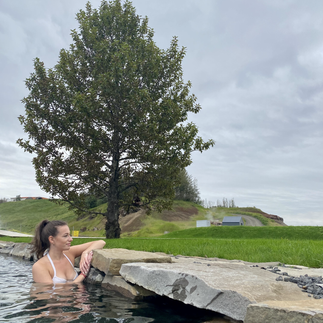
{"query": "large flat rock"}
pixel 109 261
pixel 117 283
pixel 224 287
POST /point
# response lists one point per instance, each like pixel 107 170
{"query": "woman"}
pixel 52 245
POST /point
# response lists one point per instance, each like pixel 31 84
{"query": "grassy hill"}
pixel 23 216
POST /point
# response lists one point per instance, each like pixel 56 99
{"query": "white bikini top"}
pixel 58 280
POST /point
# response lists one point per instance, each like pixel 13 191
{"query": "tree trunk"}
pixel 112 227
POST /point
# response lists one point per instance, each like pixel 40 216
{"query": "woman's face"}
pixel 63 238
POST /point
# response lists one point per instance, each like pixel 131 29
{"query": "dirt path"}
pixel 4 233
pixel 132 222
pixel 251 221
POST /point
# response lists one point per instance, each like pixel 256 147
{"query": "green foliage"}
pixel 111 116
pixel 187 189
pixel 91 201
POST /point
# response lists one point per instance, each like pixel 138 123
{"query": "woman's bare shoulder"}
pixel 42 273
pixel 40 263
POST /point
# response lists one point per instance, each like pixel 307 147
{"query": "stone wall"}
pixel 22 250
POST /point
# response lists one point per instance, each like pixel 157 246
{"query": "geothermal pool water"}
pixel 21 300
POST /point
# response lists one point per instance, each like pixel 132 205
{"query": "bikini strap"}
pixel 69 260
pixel 50 259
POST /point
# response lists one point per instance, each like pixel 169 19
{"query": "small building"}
pixel 232 220
pixel 203 223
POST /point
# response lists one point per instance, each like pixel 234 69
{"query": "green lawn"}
pixel 244 232
pixel 294 251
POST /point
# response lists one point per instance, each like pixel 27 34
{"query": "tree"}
pixel 187 190
pixel 226 203
pixel 231 203
pixel 111 117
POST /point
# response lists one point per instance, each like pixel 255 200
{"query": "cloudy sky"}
pixel 256 67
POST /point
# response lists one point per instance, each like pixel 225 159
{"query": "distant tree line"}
pixel 227 203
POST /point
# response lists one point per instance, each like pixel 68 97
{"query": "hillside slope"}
pixel 23 216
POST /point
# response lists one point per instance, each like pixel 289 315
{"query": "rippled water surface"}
pixel 21 300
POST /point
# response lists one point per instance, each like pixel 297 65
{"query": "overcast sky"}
pixel 256 67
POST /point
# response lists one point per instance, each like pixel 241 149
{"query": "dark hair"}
pixel 43 231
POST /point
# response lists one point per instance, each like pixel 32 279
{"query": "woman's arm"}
pixel 85 268
pixel 84 250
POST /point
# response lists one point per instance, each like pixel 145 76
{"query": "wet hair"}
pixel 43 231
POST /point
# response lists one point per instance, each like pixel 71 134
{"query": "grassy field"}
pixel 288 245
pixel 244 232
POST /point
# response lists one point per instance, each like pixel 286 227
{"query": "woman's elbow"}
pixel 103 243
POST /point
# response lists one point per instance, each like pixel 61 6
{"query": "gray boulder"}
pixel 109 261
pixel 224 287
pixel 94 276
pixel 22 250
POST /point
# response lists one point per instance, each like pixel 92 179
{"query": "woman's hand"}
pixel 85 262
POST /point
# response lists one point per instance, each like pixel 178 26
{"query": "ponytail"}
pixel 43 231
